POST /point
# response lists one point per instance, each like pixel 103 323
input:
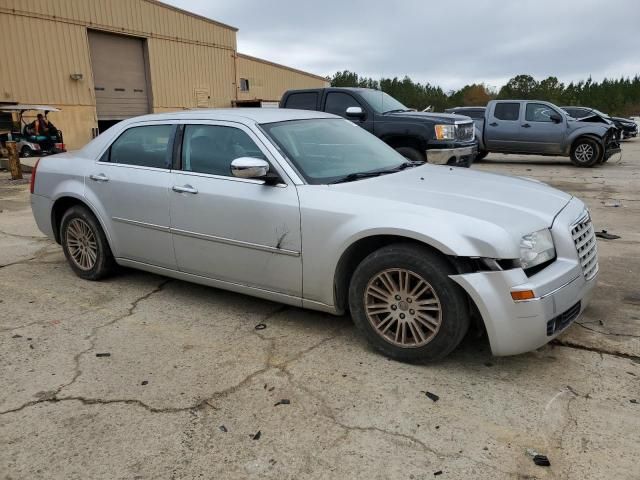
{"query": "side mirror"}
pixel 248 167
pixel 557 118
pixel 355 112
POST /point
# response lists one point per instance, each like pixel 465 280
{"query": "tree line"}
pixel 612 96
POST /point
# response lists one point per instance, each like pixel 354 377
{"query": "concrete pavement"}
pixel 143 377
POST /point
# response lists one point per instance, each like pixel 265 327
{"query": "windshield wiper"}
pixel 397 110
pixel 375 173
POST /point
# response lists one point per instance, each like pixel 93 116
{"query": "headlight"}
pixel 445 132
pixel 536 248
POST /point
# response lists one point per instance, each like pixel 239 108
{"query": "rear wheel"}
pixel 85 244
pixel 26 152
pixel 404 303
pixel 585 152
pixel 411 154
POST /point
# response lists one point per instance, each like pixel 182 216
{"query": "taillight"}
pixel 32 182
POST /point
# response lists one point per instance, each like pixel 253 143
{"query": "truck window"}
pixel 475 114
pixel 303 100
pixel 338 102
pixel 507 111
pixel 538 112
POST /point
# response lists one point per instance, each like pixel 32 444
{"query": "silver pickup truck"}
pixel 540 128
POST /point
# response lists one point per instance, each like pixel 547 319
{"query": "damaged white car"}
pixel 307 209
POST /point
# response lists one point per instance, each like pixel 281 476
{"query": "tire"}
pixel 79 223
pixel 481 155
pixel 447 326
pixel 585 152
pixel 26 152
pixel 411 154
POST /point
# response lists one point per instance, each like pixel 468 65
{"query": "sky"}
pixel 445 43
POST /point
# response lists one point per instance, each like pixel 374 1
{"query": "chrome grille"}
pixel 465 131
pixel 584 238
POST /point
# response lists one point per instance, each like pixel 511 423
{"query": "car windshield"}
pixel 600 113
pixel 329 150
pixel 382 102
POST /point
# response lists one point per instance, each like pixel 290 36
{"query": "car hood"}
pixel 516 204
pixel 446 118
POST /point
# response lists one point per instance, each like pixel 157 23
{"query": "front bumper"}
pixel 561 290
pixel 460 156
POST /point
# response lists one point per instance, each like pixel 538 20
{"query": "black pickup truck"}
pixel 438 138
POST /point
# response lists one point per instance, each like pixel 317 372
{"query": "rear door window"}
pixel 507 111
pixel 146 146
pixel 302 101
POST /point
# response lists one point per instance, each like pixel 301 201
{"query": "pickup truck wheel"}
pixel 85 244
pixel 404 303
pixel 411 154
pixel 481 155
pixel 26 152
pixel 585 152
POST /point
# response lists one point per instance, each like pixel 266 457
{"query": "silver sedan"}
pixel 307 209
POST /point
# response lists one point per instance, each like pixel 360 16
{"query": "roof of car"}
pixel 242 115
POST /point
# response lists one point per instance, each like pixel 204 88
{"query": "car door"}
pixel 502 128
pixel 129 188
pixel 338 102
pixel 538 132
pixel 240 231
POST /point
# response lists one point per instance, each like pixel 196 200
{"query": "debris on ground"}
pixel 144 382
pixel 541 461
pixel 284 401
pixel 439 472
pixel 531 452
pixel 260 326
pixel 256 436
pixel 105 354
pixel 606 235
pixel 17 336
pixel 633 400
pixel 430 395
pixel 223 429
pixel 614 203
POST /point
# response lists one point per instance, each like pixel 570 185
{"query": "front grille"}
pixel 563 320
pixel 465 131
pixel 584 238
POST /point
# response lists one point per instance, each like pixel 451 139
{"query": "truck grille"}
pixel 585 239
pixel 465 131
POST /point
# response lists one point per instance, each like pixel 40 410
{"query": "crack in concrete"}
pixel 29 237
pixel 39 253
pixel 612 334
pixel 577 346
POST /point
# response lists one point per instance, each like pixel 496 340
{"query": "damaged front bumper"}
pixel 562 290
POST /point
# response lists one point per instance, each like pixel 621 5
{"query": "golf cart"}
pixel 29 144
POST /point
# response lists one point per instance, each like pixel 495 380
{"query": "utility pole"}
pixel 14 161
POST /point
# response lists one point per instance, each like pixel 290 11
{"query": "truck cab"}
pixel 438 138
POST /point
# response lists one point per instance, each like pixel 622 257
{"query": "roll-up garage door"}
pixel 119 74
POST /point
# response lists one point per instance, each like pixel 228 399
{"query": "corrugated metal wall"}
pixel 139 17
pixel 37 58
pixel 268 81
pixel 180 71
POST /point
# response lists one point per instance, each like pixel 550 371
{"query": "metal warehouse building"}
pixel 102 61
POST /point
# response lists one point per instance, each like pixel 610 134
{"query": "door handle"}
pixel 101 177
pixel 494 124
pixel 184 189
pixel 526 125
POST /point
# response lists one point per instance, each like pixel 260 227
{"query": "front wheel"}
pixel 85 244
pixel 411 154
pixel 585 152
pixel 404 303
pixel 481 155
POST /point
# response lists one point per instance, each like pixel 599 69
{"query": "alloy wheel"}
pixel 403 308
pixel 584 152
pixel 82 244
